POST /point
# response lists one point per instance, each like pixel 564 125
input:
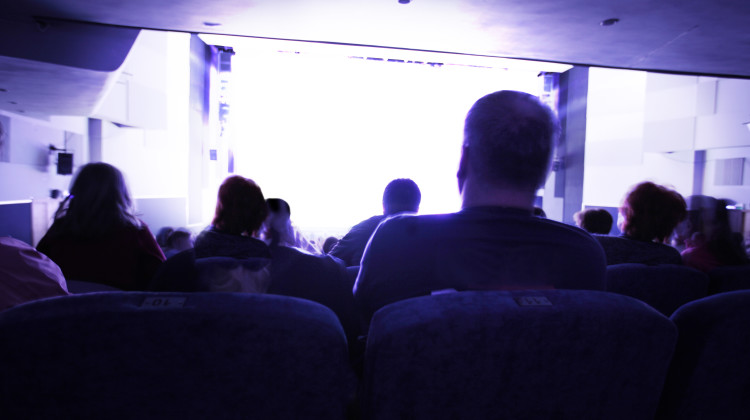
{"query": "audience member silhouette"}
pixel 494 242
pixel 163 235
pixel 594 221
pixel 329 243
pixel 229 256
pixel 400 196
pixel 278 228
pixel 648 215
pixel 709 240
pixel 177 241
pixel 96 237
pixel 26 274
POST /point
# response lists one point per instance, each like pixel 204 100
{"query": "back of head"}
pixel 99 202
pixel 595 221
pixel 329 243
pixel 240 208
pixel 708 222
pixel 163 235
pixel 279 207
pixel 401 195
pixel 510 137
pixel 180 240
pixel 651 212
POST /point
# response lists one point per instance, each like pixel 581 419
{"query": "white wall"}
pixel 139 96
pixel 154 160
pixel 647 126
pixel 729 138
pixel 29 170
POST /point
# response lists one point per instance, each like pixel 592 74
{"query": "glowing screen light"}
pixel 327 132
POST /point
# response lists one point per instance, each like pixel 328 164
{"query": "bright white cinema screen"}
pixel 327 131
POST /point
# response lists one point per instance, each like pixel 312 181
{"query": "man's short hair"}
pixel 594 221
pixel 401 195
pixel 510 136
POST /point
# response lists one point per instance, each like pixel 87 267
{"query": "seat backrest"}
pixel 709 377
pixel 516 355
pixel 173 355
pixel 730 278
pixel 665 287
pixel 80 286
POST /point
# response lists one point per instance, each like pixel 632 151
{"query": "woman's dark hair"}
pixel 651 212
pixel 98 203
pixel 276 204
pixel 240 208
pixel 708 219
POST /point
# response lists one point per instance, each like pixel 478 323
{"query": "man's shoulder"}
pixel 369 223
pixel 562 228
pixel 509 220
pixel 296 256
pixel 411 226
pixel 620 249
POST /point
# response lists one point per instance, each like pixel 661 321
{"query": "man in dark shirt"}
pixel 494 242
pixel 400 196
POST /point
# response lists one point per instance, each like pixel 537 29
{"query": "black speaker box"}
pixel 64 163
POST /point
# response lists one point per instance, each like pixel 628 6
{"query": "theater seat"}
pixel 140 355
pixel 730 278
pixel 546 354
pixel 80 286
pixel 665 287
pixel 710 374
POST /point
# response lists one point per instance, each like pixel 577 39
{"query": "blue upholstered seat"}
pixel 665 287
pixel 710 373
pixel 173 355
pixel 730 278
pixel 543 354
pixel 80 286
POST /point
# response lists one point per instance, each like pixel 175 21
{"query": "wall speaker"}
pixel 64 163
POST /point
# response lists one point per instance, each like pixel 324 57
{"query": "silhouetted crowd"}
pixel 497 241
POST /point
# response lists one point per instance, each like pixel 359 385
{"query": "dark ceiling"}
pixel 692 36
pixel 52 67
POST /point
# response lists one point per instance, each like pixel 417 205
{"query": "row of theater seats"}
pixel 667 287
pixel 548 354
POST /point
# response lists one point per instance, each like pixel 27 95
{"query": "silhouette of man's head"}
pixel 401 195
pixel 509 137
pixel 594 221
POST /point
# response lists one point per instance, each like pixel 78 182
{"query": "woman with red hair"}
pixel 648 215
pixel 229 256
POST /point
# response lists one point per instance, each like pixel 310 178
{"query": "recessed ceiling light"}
pixel 609 22
pixel 211 24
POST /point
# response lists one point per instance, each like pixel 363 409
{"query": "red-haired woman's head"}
pixel 240 208
pixel 651 212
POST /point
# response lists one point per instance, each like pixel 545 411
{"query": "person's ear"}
pixel 463 168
